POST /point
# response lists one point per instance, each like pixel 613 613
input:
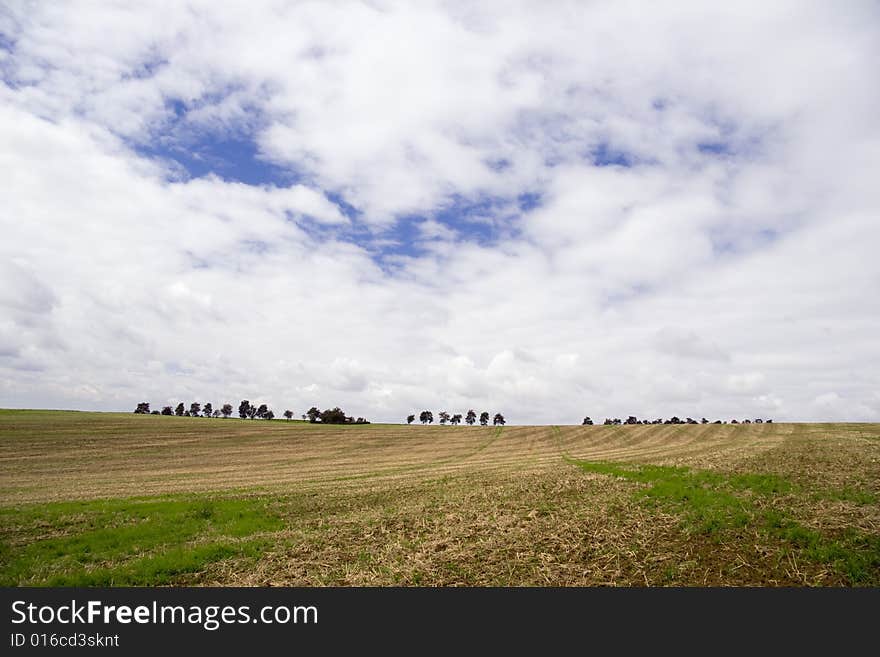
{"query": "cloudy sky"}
pixel 548 209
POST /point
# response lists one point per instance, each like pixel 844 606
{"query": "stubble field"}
pixel 123 499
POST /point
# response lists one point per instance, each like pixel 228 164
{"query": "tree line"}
pixel 427 417
pixel 632 419
pixel 248 411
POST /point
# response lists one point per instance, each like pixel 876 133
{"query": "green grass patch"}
pixel 853 554
pixel 707 504
pixel 849 494
pixel 144 541
pixel 717 504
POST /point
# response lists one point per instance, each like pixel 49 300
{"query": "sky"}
pixel 545 209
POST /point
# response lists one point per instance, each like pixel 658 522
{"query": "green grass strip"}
pixel 715 504
pixel 126 542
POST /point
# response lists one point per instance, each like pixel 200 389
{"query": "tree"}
pixel 208 411
pixel 444 417
pixel 154 412
pixel 587 420
pixel 410 419
pixel 187 414
pixel 288 415
pixel 471 417
pixel 226 410
pixel 179 411
pixel 704 421
pixel 252 412
pixel 455 419
pixel 426 417
pixel 484 418
pixel 269 415
pixel 335 416
pixel 194 409
pixel 243 409
pixel 262 411
pixel 632 420
pixel 498 419
pixel 313 414
pixel 166 410
pixel 143 408
pixel 218 412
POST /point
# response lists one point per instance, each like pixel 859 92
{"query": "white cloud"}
pixel 730 281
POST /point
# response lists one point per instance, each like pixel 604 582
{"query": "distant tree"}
pixel 498 419
pixel 252 411
pixel 179 410
pixel 587 420
pixel 143 408
pixel 456 419
pixel 426 417
pixel 288 415
pixel 218 412
pixel 195 409
pixel 608 422
pixel 704 421
pixel 759 421
pixel 262 411
pixel 484 418
pixel 617 421
pixel 471 417
pixel 187 414
pixel 166 410
pixel 243 409
pixel 717 422
pixel 269 415
pixel 226 410
pixel 444 417
pixel 410 419
pixel 690 420
pixel 154 412
pixel 769 421
pixel 208 410
pixel 734 422
pixel 313 414
pixel 632 419
pixel 335 416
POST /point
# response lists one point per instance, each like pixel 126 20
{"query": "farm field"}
pixel 122 499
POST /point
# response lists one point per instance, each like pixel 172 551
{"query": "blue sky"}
pixel 402 207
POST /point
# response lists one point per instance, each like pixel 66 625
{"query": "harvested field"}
pixel 101 498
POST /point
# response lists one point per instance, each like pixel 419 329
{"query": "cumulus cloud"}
pixel 552 211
